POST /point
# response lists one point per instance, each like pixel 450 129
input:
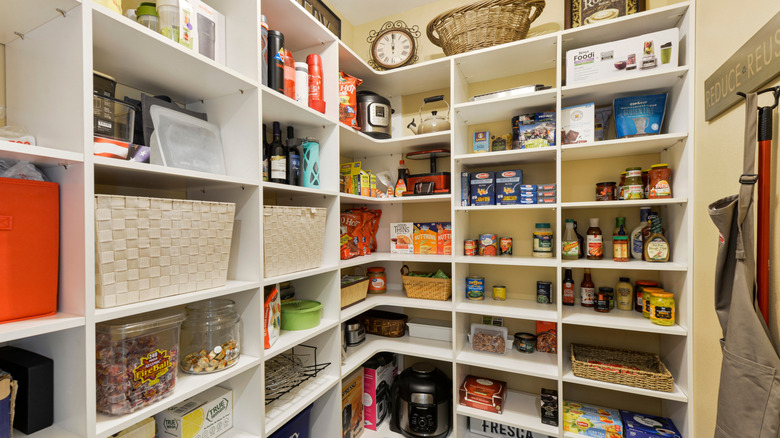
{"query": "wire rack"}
pixel 288 371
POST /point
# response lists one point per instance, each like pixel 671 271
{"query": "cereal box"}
pixel 206 415
pixel 401 238
pixel 352 405
pixel 508 185
pixel 592 421
pixel 444 238
pixel 424 238
pixel 481 142
pixel 482 188
pixel 546 337
pixel 578 124
pixel 648 426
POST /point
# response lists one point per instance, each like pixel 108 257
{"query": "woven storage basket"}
pixel 631 368
pixel 439 289
pixel 354 290
pixel 483 24
pixel 379 322
pixel 147 248
pixel 293 238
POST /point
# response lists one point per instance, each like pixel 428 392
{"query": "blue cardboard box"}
pixel 534 130
pixel 465 192
pixel 528 200
pixel 528 187
pixel 639 115
pixel 481 142
pixel 508 185
pixel 648 426
pixel 482 188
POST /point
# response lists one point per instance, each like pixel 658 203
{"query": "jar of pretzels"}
pixel 210 337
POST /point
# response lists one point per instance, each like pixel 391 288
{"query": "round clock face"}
pixel 393 48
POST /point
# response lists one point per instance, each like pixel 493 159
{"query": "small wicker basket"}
pixel 624 367
pixel 381 323
pixel 483 24
pixel 354 289
pixel 439 289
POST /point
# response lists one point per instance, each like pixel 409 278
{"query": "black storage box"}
pixel 35 398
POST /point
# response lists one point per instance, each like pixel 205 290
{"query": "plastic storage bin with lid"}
pixel 136 360
pixel 210 336
pixel 301 314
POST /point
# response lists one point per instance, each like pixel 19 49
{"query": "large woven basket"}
pixel 293 238
pixel 147 248
pixel 382 323
pixel 483 24
pixel 624 367
pixel 438 289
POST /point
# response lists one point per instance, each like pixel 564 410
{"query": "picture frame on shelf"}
pixel 324 15
pixel 583 12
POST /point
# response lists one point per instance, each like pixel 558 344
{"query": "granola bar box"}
pixel 136 360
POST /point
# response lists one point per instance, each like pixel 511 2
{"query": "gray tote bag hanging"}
pixel 749 393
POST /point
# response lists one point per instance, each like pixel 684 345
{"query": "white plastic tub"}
pixel 430 329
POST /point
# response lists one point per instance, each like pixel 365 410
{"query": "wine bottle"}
pixel 278 157
pixel 293 158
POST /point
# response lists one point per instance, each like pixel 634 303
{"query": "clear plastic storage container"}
pixel 168 11
pixel 489 338
pixel 136 360
pixel 210 337
pixel 112 118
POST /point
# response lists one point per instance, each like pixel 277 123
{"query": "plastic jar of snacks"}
pixel 662 308
pixel 543 241
pixel 647 297
pixel 210 337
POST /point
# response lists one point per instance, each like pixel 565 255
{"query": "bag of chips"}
pixel 348 99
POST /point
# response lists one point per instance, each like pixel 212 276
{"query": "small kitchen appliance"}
pixel 422 402
pixel 373 114
pixel 433 183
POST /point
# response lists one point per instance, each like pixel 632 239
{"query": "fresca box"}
pixel 444 238
pixel 496 430
pixel 592 421
pixel 208 414
pixel 655 52
pixel 481 142
pixel 401 238
pixel 464 189
pixel 508 185
pixel 647 426
pixel 482 188
pixel 378 375
pixel 352 405
pixel 425 236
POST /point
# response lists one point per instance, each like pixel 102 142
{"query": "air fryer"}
pixel 422 402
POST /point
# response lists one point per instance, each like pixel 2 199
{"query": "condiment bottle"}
pixel 570 244
pixel 595 240
pixel 620 249
pixel 289 75
pixel 278 162
pixel 633 186
pixel 602 301
pixel 641 285
pixel 543 241
pixel 646 231
pixel 662 308
pixel 625 294
pixel 568 289
pixel 580 240
pixel 656 246
pixel 620 227
pixel 587 290
pixel 401 183
pixel 647 297
pixel 637 242
pixel 660 181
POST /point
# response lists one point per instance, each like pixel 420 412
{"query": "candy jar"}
pixel 210 337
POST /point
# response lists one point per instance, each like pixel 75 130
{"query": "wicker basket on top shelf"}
pixel 483 24
pixel 624 367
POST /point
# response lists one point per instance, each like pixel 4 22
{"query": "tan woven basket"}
pixel 483 24
pixel 293 238
pixel 147 248
pixel 439 289
pixel 354 291
pixel 382 323
pixel 624 367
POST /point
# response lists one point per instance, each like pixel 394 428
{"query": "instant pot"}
pixel 422 402
pixel 373 114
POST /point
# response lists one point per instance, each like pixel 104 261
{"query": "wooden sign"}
pixel 324 15
pixel 751 67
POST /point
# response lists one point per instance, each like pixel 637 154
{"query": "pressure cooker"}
pixel 373 114
pixel 422 402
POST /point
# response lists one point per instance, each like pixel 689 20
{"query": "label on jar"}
pixel 377 283
pixel 543 243
pixel 657 249
pixel 153 366
pixel 639 303
pixel 634 191
pixel 595 246
pixel 571 248
pixel 661 189
pixel 666 313
pixel 620 250
pixel 587 295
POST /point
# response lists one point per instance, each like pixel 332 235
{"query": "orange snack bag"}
pixel 348 99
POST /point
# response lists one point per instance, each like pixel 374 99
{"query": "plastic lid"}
pixel 653 290
pixel 664 294
pixel 594 222
pixel 543 225
pixel 314 59
pixel 606 289
pixel 608 183
pixel 528 336
pixel 376 269
pixel 659 165
pixel 146 8
pixel 622 173
pixel 629 169
pixel 137 325
pixel 645 170
pixel 276 33
pixel 302 66
pixel 401 163
pixel 620 237
pixel 174 3
pixel 301 306
pixel 570 221
pixel 624 279
pixel 620 220
pixel 647 283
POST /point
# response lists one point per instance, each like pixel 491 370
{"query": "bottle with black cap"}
pixel 293 158
pixel 278 162
pixel 276 60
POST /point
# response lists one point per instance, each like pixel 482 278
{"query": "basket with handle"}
pixel 624 367
pixel 439 289
pixel 483 24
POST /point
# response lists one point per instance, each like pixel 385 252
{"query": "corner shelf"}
pixel 617 319
pixel 651 144
pixel 521 410
pixel 511 308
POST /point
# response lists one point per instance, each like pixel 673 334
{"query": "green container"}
pixel 301 314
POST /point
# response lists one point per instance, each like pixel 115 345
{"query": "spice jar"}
pixel 210 336
pixel 640 287
pixel 601 303
pixel 662 308
pixel 606 191
pixel 543 241
pixel 660 185
pixel 647 297
pixel 633 188
pixel 377 280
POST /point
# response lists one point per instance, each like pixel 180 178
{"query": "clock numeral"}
pixel 406 46
pixel 404 53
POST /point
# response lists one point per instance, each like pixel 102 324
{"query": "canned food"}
pixel 525 342
pixel 488 244
pixel 544 292
pixel 499 293
pixel 505 245
pixel 475 288
pixel 470 247
pixel 611 294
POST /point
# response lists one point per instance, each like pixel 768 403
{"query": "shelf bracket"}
pixel 241 91
pixel 19 34
pixel 61 12
pixel 64 165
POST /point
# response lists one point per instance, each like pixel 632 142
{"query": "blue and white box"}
pixel 482 188
pixel 639 115
pixel 508 184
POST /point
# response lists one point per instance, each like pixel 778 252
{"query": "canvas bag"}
pixel 749 393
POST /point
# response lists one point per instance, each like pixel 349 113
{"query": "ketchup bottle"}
pixel 315 82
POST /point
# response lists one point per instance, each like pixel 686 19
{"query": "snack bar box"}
pixel 484 394
pixel 656 52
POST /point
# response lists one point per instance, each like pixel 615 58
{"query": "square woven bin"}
pixel 148 248
pixel 624 367
pixel 293 238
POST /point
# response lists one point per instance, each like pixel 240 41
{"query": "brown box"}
pixel 484 394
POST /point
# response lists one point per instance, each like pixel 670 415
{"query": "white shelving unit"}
pixel 65 40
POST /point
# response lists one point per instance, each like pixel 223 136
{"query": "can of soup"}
pixel 499 293
pixel 505 245
pixel 470 247
pixel 475 288
pixel 544 292
pixel 488 244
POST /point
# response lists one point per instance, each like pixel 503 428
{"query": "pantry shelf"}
pixel 287 189
pixel 290 16
pixel 604 92
pixel 521 410
pixel 631 203
pixel 49 432
pixel 507 207
pixel 632 265
pixel 519 156
pixel 24 16
pixel 358 145
pixel 651 144
pixel 537 53
pixel 617 319
pixel 388 257
pixel 511 308
pixel 508 261
pixel 395 298
pixel 357 199
pixel 291 338
pixel 677 393
pixel 503 109
pixel 291 404
pixel 187 385
pixel 41 156
pixel 10 331
pixel 298 275
pixel 286 111
pixel 134 174
pixel 406 345
pixel 536 364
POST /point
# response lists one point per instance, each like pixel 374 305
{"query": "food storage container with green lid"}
pixel 301 314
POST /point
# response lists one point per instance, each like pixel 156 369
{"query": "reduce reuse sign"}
pixel 755 63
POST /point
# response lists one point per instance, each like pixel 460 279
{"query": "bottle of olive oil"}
pixel 656 245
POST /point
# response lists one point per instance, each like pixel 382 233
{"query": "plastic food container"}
pixel 430 329
pixel 185 142
pixel 136 360
pixel 112 118
pixel 147 15
pixel 210 337
pixel 489 338
pixel 301 314
pixel 168 11
pixel 525 342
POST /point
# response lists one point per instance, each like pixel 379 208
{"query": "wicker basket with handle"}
pixel 483 24
pixel 624 367
pixel 382 323
pixel 439 289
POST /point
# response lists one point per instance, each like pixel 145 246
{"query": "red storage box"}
pixel 29 248
pixel 485 394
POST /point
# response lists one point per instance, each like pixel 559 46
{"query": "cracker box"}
pixel 465 192
pixel 401 238
pixel 482 188
pixel 208 414
pixel 378 375
pixel 546 337
pixel 481 142
pixel 484 394
pixel 490 429
pixel 424 238
pixel 647 426
pixel 352 405
pixel 656 52
pixel 578 124
pixel 508 185
pixel 533 130
pixel 444 238
pixel 592 421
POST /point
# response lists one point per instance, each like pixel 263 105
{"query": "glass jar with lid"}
pixel 647 297
pixel 543 240
pixel 662 308
pixel 210 336
pixel 634 189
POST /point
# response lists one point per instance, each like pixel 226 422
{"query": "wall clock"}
pixel 393 45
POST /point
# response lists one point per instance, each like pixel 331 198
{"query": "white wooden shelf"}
pixel 359 145
pixel 41 156
pixel 617 319
pixel 407 345
pixel 287 189
pixel 651 144
pixel 298 275
pixel 279 108
pixel 24 16
pixel 508 261
pixel 289 17
pixel 631 265
pixel 10 331
pixel 395 298
pixel 537 53
pixel 357 199
pixel 507 207
pixel 49 432
pixel 677 393
pixel 503 109
pixel 291 404
pixel 134 174
pixel 292 338
pixel 388 257
pixel 519 156
pixel 511 308
pixel 630 203
pixel 521 410
pixel 536 364
pixel 605 91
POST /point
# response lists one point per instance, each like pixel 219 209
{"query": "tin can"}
pixel 499 293
pixel 525 342
pixel 470 247
pixel 488 244
pixel 505 245
pixel 475 288
pixel 544 292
